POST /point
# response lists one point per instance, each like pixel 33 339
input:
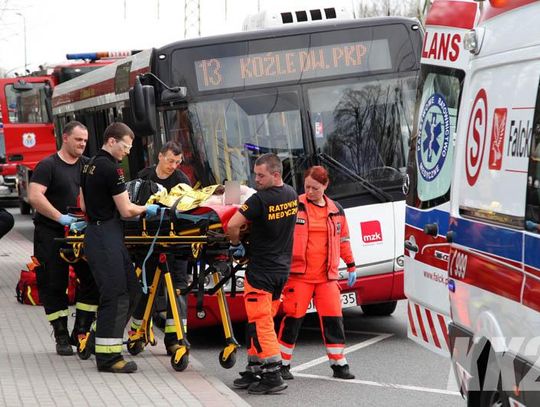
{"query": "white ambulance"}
pixel 493 230
pixel 444 61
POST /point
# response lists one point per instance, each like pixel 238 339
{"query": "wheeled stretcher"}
pixel 197 236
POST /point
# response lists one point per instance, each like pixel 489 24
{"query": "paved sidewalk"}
pixel 31 374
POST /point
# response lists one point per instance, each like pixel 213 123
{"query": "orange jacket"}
pixel 339 245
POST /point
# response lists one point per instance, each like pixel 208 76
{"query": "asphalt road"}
pixel 390 369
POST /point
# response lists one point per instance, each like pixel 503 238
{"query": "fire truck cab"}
pixel 493 265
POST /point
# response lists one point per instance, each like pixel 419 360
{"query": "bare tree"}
pixel 407 8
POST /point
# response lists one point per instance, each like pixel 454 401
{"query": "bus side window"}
pixel 532 214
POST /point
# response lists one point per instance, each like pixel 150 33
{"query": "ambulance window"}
pixel 532 213
pixel 432 146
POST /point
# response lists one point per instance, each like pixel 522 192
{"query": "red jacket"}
pixel 339 245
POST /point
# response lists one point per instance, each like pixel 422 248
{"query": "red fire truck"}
pixel 27 135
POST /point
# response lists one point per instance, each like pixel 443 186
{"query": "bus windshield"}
pixel 361 130
pixel 27 106
pixel 227 135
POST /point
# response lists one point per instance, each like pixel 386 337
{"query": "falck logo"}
pixel 497 139
pixel 371 231
pixel 29 140
pixel 432 145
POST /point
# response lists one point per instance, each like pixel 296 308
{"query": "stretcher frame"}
pixel 205 246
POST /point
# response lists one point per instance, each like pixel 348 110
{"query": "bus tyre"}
pixel 379 310
pixel 24 208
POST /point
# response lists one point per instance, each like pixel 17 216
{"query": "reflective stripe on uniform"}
pixel 136 324
pixel 335 350
pixel 86 307
pixel 170 328
pixel 109 345
pixel 285 350
pixel 58 314
pixel 345 239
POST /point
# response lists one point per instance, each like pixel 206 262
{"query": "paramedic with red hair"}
pixel 321 238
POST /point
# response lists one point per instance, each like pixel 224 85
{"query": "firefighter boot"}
pixel 83 322
pixel 271 382
pixel 342 372
pixel 61 335
pixel 120 366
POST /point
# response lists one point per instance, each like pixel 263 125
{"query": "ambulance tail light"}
pixel 472 40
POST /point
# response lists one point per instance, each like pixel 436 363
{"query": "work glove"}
pixel 66 220
pixel 352 276
pixel 531 226
pixel 237 250
pixel 152 210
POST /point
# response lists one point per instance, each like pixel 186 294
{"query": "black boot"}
pixel 83 322
pixel 247 378
pixel 271 382
pixel 342 372
pixel 61 335
pixel 286 372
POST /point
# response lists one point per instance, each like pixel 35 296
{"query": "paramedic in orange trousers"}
pixel 272 213
pixel 321 238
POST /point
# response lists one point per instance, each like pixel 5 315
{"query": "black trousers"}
pixel 179 269
pixel 6 222
pixel 118 286
pixel 53 274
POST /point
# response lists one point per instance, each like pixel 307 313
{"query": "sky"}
pixel 57 27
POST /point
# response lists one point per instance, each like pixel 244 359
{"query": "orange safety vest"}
pixel 339 245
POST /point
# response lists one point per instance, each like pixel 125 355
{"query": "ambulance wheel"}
pixel 229 362
pixel 491 397
pixel 182 363
pixel 135 347
pixel 379 310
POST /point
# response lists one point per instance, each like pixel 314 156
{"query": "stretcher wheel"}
pixel 229 362
pixel 182 363
pixel 85 348
pixel 135 347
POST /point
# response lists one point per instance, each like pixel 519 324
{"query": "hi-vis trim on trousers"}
pixel 109 345
pixel 428 328
pixel 57 314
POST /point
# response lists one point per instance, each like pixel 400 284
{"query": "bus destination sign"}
pixel 292 65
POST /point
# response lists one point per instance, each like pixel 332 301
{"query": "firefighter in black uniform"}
pixel 106 199
pixel 55 186
pixel 272 212
pixel 167 174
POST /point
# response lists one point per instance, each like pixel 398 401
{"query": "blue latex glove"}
pixel 67 220
pixel 152 210
pixel 531 226
pixel 352 276
pixel 237 250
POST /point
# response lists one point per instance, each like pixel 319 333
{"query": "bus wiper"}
pixel 373 189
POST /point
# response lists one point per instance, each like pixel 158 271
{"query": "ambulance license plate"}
pixel 347 300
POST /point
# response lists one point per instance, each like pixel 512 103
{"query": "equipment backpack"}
pixel 27 290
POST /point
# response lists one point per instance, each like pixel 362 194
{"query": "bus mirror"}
pixel 171 96
pixel 143 108
pixel 22 86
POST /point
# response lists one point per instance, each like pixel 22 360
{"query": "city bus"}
pixel 339 95
pixel 25 105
